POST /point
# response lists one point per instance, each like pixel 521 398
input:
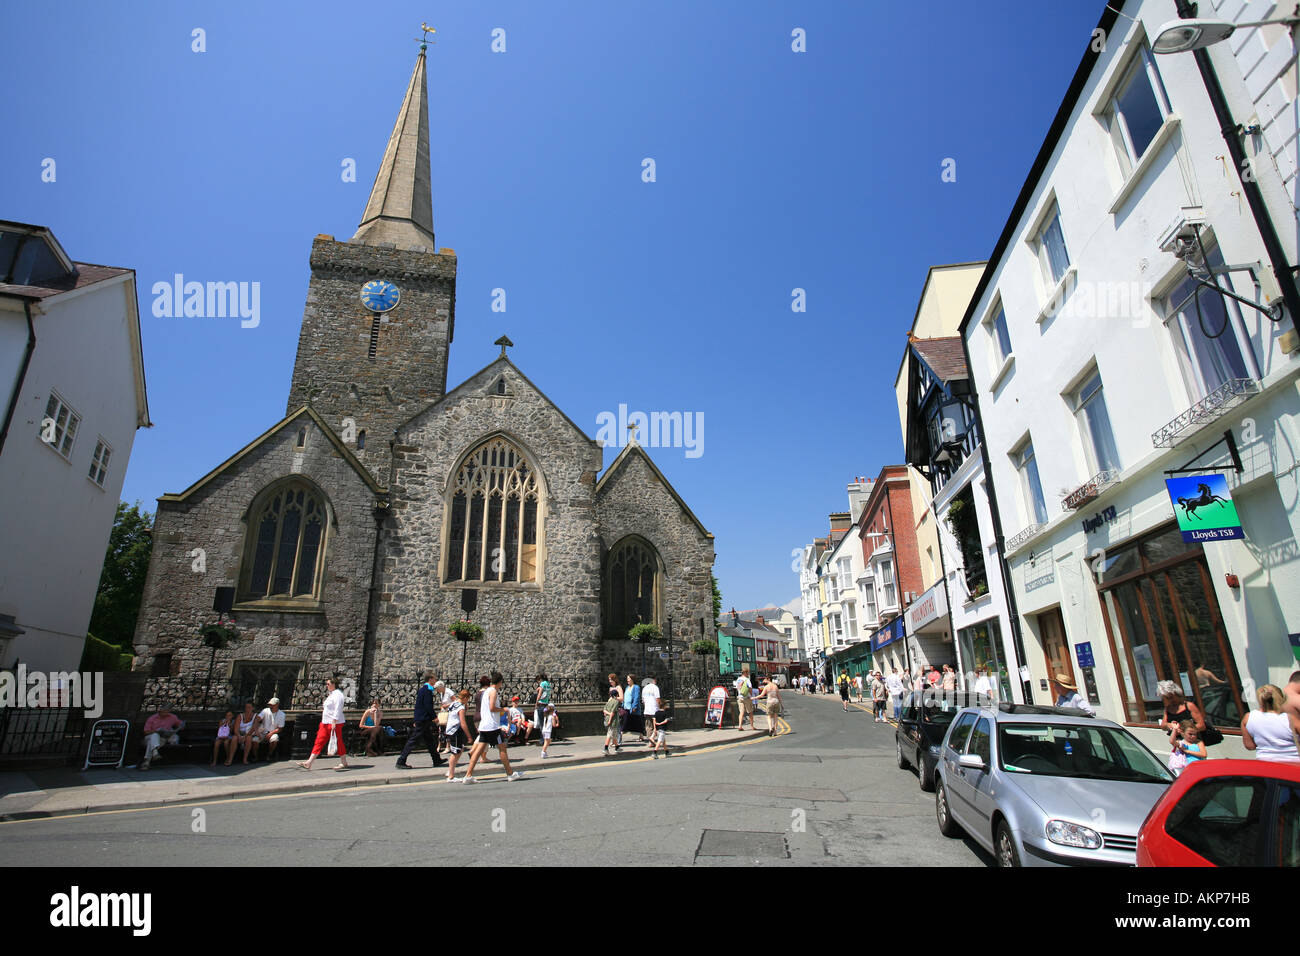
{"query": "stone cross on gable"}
pixel 505 343
pixel 631 433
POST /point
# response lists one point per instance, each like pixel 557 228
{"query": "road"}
pixel 826 794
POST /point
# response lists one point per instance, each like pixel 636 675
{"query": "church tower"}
pixel 380 311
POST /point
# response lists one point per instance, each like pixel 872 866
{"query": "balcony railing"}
pixel 1090 489
pixel 1218 403
pixel 1017 540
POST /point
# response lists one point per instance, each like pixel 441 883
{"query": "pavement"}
pixel 67 792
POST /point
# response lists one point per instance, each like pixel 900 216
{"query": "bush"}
pixel 102 656
pixel 645 632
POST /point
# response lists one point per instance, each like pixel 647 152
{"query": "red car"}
pixel 1226 813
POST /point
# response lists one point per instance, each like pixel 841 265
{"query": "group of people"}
pixel 1272 732
pixel 748 696
pixel 633 706
pixel 245 732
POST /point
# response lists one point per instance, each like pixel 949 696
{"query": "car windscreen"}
pixel 941 706
pixel 1066 750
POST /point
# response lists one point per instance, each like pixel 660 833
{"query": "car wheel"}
pixel 947 825
pixel 926 775
pixel 1005 844
pixel 898 749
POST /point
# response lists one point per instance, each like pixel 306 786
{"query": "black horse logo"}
pixel 1191 504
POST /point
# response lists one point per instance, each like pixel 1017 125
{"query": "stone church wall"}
pixel 635 501
pixel 178 600
pixel 528 628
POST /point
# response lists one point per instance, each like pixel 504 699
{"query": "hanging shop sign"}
pixel 893 631
pixel 1203 506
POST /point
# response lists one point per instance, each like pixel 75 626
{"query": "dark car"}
pixel 925 719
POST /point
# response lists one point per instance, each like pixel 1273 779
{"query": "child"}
pixel 611 721
pixel 226 738
pixel 661 733
pixel 550 720
pixel 1189 749
pixel 518 722
pixel 457 731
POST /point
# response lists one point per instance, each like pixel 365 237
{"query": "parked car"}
pixel 922 726
pixel 1046 786
pixel 1226 813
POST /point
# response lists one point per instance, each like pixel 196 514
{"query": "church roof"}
pixel 632 448
pixel 307 410
pixel 400 208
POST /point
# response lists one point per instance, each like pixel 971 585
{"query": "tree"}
pixel 717 602
pixel 121 585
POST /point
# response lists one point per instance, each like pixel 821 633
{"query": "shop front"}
pixel 889 647
pixel 981 657
pixel 928 637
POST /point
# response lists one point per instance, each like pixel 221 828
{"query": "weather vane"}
pixel 424 40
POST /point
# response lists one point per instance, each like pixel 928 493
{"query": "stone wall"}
pixel 178 599
pixel 633 499
pixel 409 370
pixel 550 626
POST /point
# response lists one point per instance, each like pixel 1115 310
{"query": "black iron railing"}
pixel 42 731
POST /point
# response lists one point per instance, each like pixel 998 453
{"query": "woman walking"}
pixel 771 695
pixel 1268 731
pixel 611 718
pixel 457 729
pixel 489 730
pixel 632 706
pixel 331 726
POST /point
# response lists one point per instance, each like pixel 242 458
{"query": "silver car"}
pixel 1042 786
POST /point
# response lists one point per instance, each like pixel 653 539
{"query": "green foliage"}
pixel 964 523
pixel 717 602
pixel 465 631
pixel 217 636
pixel 644 632
pixel 101 656
pixel 704 648
pixel 121 585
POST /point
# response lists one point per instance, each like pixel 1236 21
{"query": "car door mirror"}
pixel 971 762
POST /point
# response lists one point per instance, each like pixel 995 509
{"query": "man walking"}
pixel 894 684
pixel 650 706
pixel 744 700
pixel 426 712
pixel 489 730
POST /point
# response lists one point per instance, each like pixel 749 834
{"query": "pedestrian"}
pixel 457 730
pixel 1067 695
pixel 857 687
pixel 661 719
pixel 162 728
pixel 489 730
pixel 1269 731
pixel 1187 747
pixel 1177 708
pixel 844 691
pixel 772 700
pixel 894 683
pixel 369 726
pixel 542 700
pixel 934 676
pixel 423 729
pixel 612 721
pixel 949 678
pixel 744 700
pixel 550 720
pixel 983 685
pixel 330 731
pixel 878 695
pixel 650 705
pixel 632 707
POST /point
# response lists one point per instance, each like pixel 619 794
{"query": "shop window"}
pixel 1163 621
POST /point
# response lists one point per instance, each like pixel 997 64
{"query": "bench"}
pixel 197 738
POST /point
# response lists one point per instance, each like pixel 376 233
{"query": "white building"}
pixel 1098 371
pixel 74 389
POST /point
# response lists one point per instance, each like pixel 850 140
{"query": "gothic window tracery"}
pixel 631 585
pixel 493 517
pixel 286 544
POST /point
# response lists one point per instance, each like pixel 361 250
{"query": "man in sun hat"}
pixel 1067 695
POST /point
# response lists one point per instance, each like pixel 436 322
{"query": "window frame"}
pixel 313 600
pixel 64 436
pixel 1035 507
pixel 1177 326
pixel 997 332
pixel 1117 125
pixel 102 464
pixel 1051 214
pixel 1078 407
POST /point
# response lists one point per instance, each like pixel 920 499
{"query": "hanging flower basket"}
pixel 704 648
pixel 217 636
pixel 465 631
pixel 644 632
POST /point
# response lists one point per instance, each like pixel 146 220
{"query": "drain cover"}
pixel 784 758
pixel 743 843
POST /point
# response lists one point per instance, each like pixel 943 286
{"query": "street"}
pixel 827 793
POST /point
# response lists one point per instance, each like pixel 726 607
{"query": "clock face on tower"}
pixel 379 296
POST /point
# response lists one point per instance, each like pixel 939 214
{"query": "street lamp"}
pixel 1181 36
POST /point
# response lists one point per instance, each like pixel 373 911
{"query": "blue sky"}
pixel 775 170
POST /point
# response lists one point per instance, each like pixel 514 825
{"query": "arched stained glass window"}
pixel 631 586
pixel 492 532
pixel 287 536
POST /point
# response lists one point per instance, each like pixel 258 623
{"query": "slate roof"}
pixel 87 274
pixel 944 356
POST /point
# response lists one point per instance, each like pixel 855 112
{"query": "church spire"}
pixel 400 209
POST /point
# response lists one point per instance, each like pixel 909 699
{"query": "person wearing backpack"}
pixel 744 700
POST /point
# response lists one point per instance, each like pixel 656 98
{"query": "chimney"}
pixel 760 620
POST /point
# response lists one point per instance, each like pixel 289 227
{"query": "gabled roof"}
pixel 631 449
pixel 503 362
pixel 86 275
pixel 943 356
pixel 285 422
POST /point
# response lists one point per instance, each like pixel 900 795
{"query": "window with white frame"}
pixel 99 463
pixel 996 324
pixel 1089 406
pixel 846 573
pixel 837 628
pixel 1049 243
pixel 832 587
pixel 1136 110
pixel 868 589
pixel 851 614
pixel 58 427
pixel 1206 333
pixel 887 583
pixel 1031 487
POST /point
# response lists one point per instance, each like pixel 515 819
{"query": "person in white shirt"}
pixel 1067 695
pixel 744 700
pixel 650 705
pixel 490 712
pixel 894 684
pixel 331 725
pixel 271 727
pixel 457 730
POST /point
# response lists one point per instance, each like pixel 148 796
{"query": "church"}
pixel 349 529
